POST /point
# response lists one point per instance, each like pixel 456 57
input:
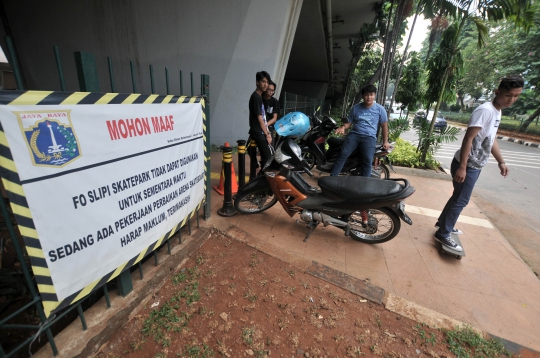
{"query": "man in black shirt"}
pixel 258 127
pixel 271 105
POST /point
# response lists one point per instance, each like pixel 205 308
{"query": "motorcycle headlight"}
pixel 289 154
pixel 280 157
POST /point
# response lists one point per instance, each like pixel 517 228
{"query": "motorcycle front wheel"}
pixel 254 202
pixel 381 172
pixel 309 157
pixel 383 225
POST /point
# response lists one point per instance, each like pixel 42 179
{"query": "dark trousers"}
pixel 367 151
pixel 459 199
pixel 264 149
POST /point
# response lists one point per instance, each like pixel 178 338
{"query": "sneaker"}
pixel 454 230
pixel 448 242
pixel 364 216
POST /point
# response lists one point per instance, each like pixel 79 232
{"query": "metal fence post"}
pixel 133 83
pixel 152 79
pixel 125 285
pixel 181 84
pixel 167 80
pixel 59 67
pixel 205 91
pixel 284 103
pixel 111 75
pixel 87 72
pixel 191 75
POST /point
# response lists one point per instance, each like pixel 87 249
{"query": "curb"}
pixel 426 173
pixel 518 141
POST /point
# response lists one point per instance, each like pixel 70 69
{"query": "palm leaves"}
pixel 447 60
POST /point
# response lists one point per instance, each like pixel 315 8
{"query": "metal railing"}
pixel 290 102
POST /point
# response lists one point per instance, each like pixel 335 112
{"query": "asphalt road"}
pixel 511 203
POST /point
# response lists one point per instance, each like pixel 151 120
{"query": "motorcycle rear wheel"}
pixel 254 202
pixel 383 225
pixel 381 172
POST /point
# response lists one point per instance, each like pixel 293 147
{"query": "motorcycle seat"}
pixel 355 187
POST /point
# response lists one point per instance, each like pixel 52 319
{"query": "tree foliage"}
pixel 447 61
pixel 410 92
pixel 477 11
pixel 507 50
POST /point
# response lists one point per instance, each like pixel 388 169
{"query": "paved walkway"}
pixel 491 288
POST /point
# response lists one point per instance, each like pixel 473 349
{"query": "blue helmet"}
pixel 292 124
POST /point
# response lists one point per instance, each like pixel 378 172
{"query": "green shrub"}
pixel 455 108
pixel 457 117
pixel 405 154
pixel 396 127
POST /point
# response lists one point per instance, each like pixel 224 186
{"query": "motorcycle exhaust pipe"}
pixel 309 216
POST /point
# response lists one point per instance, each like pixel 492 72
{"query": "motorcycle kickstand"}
pixel 312 228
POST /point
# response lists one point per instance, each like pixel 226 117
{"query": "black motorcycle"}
pixel 314 151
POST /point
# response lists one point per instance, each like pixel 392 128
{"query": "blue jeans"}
pixel 367 150
pixel 458 200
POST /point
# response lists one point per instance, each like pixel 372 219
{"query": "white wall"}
pixel 230 40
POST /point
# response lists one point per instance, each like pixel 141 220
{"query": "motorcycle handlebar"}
pixel 379 148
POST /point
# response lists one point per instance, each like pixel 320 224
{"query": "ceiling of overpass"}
pixel 307 46
pixel 309 59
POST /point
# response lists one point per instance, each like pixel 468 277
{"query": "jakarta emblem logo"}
pixel 50 137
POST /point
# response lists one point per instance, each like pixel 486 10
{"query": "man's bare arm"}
pixel 496 151
pixel 384 127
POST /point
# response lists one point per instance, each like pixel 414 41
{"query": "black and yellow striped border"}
pixel 19 204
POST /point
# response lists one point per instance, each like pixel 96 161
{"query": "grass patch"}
pixel 178 278
pixel 427 339
pixel 251 296
pixel 466 343
pixel 248 335
pixel 167 318
pixel 164 320
pixel 194 351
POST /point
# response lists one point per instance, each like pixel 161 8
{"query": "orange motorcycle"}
pixel 369 210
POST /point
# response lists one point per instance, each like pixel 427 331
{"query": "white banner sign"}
pixel 103 182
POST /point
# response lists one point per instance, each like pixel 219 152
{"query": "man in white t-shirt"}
pixel 468 161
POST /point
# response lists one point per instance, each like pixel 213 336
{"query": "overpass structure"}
pixel 303 44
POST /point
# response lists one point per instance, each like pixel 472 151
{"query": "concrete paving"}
pixel 491 288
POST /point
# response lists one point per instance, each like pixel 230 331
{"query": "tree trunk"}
pixel 395 39
pixel 404 56
pixel 392 54
pixel 387 47
pixel 529 120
